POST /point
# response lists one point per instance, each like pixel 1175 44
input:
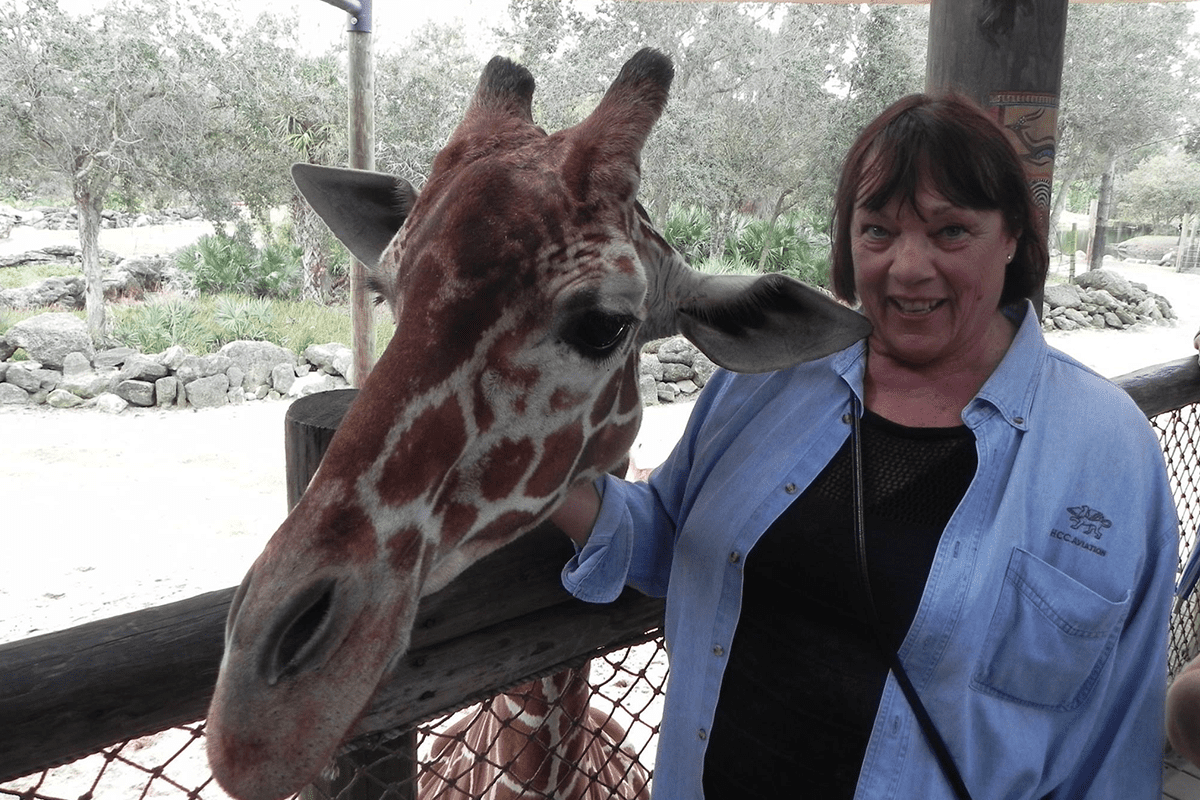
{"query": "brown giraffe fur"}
pixel 542 739
pixel 518 280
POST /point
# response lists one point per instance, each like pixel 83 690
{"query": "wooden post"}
pixel 362 156
pixel 385 772
pixel 1008 57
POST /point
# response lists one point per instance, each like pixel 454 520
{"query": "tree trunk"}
pixel 88 203
pixel 1066 178
pixel 1103 211
pixel 306 227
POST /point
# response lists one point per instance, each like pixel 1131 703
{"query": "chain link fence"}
pixel 485 750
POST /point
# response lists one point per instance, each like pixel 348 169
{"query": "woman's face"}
pixel 930 278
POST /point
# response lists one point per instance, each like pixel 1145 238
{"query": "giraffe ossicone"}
pixel 522 279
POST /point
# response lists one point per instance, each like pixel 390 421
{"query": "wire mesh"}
pixel 494 755
pixel 1179 434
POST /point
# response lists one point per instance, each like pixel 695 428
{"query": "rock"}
pixel 236 375
pixel 677 351
pixel 32 377
pixel 1063 295
pixel 208 392
pixel 75 364
pixel 703 369
pixel 61 398
pixel 172 357
pixel 113 357
pixel 1112 320
pixel 257 361
pixel 1102 298
pixel 90 383
pixel 13 395
pixel 215 364
pixel 235 396
pixel 673 372
pixel 136 392
pixel 111 404
pixel 687 387
pixel 141 368
pixel 165 390
pixel 48 338
pixel 648 388
pixel 650 365
pixel 1114 284
pixel 315 382
pixel 667 393
pixel 331 358
pixel 282 378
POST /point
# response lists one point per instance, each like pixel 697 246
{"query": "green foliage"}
pixel 155 326
pixel 1162 188
pixel 687 229
pixel 222 262
pixel 25 274
pixel 205 324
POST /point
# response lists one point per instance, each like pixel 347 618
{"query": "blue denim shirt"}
pixel 1039 645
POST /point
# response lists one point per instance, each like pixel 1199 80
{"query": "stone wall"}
pixel 63 371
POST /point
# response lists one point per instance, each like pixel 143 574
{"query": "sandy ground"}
pixel 101 514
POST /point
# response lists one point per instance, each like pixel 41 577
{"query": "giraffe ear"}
pixel 749 323
pixel 363 209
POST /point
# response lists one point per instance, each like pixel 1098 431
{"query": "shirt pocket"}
pixel 1049 639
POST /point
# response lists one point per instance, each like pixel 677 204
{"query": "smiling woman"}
pixel 865 589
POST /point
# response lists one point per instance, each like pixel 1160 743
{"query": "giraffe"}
pixel 542 739
pixel 521 279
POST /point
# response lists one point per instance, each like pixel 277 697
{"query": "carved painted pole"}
pixel 362 156
pixel 1008 56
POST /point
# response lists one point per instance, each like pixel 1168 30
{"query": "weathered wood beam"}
pixel 1163 387
pixel 67 694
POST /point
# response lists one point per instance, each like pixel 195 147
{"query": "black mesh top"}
pixel 805 674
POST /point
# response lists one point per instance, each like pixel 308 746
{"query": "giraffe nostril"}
pixel 303 628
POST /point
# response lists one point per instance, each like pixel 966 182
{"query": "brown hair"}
pixel 949 144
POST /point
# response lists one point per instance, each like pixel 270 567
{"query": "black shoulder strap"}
pixel 936 742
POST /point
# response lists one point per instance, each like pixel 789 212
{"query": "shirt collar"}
pixel 1009 390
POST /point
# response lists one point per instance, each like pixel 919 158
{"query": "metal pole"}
pixel 362 156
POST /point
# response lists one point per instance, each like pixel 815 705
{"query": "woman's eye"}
pixel 953 232
pixel 875 232
pixel 596 334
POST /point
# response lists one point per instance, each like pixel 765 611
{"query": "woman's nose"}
pixel 913 261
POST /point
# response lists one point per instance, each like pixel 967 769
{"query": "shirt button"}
pixel 702 734
pixel 735 557
pixel 1019 420
pixel 790 488
pixel 718 650
pixel 846 418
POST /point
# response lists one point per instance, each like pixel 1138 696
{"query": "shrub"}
pixel 153 327
pixel 687 229
pixel 238 318
pixel 222 262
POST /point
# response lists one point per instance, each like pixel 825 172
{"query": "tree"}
pixel 107 101
pixel 1163 188
pixel 1127 80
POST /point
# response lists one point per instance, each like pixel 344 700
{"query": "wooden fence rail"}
pixel 68 694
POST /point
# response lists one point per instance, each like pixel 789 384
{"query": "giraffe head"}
pixel 521 280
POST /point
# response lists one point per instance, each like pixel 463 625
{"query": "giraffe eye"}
pixel 596 334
